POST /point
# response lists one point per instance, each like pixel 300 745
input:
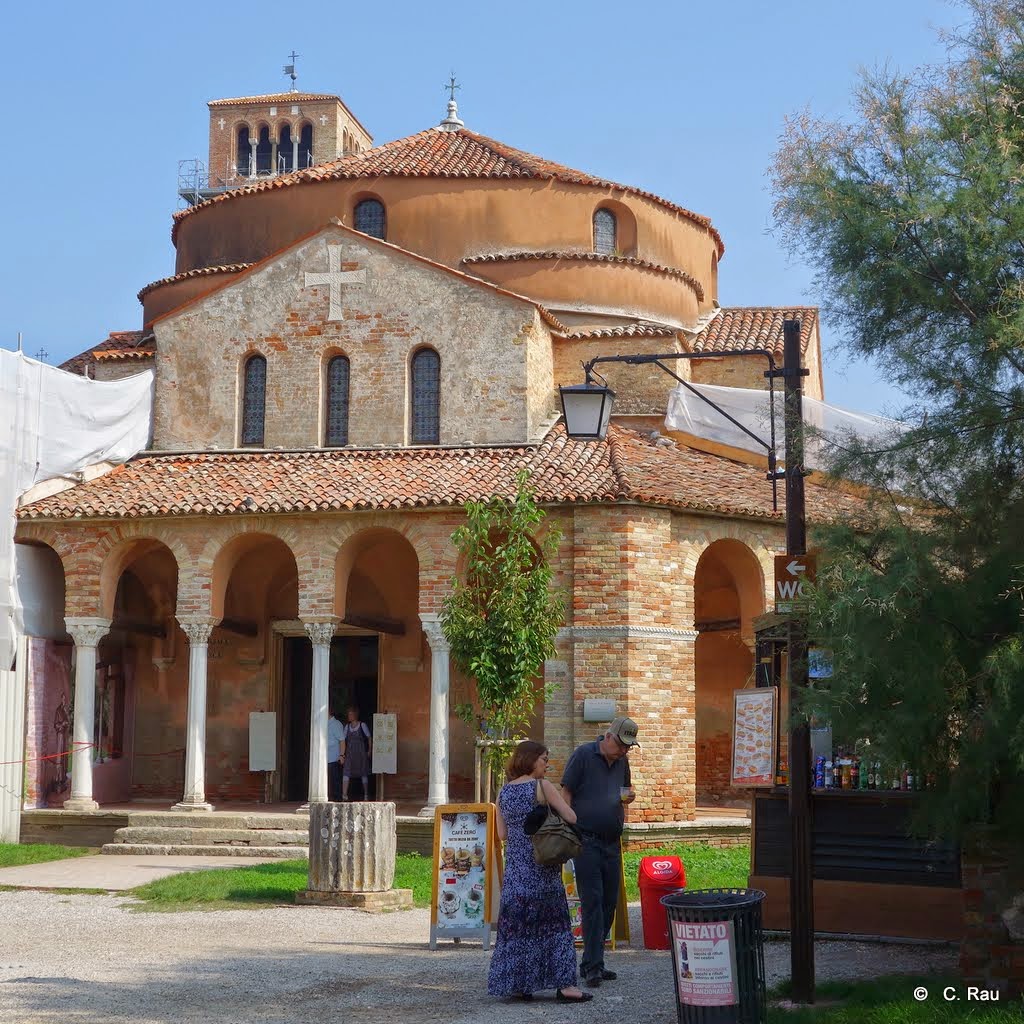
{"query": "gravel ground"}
pixel 78 958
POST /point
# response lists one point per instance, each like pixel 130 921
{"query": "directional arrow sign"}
pixel 791 575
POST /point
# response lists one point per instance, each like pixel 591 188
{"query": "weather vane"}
pixel 289 69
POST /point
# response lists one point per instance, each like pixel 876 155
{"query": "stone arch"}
pixel 375 547
pixel 728 593
pixel 125 547
pixel 223 554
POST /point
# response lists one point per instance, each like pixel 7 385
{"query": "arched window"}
pixel 306 146
pixel 604 232
pixel 337 402
pixel 264 150
pixel 243 154
pixel 254 400
pixel 285 151
pixel 425 391
pixel 369 218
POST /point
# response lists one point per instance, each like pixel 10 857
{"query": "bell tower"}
pixel 253 138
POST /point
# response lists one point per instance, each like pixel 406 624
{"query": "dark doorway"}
pixel 353 680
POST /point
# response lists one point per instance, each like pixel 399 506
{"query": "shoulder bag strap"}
pixel 539 793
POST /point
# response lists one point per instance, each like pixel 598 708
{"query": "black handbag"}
pixel 555 841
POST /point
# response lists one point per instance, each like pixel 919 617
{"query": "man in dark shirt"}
pixel 596 783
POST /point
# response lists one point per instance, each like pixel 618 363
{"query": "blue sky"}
pixel 686 100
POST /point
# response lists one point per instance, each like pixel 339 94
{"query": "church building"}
pixel 356 340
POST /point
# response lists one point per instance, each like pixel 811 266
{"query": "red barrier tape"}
pixel 86 746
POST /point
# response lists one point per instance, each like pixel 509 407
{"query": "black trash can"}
pixel 717 955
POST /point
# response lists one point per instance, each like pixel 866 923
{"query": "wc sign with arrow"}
pixel 792 572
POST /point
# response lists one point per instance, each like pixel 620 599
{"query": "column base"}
pixel 185 805
pixel 81 804
pixel 428 811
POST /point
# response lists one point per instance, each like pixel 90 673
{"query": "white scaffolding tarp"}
pixel 830 426
pixel 55 424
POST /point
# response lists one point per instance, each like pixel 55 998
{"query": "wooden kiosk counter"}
pixel 870 878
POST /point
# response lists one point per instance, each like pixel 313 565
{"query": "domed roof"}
pixel 439 153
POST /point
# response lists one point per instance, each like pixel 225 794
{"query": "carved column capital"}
pixel 320 632
pixel 435 634
pixel 87 631
pixel 197 630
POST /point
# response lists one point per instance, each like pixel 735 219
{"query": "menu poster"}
pixel 753 736
pixel 466 880
pixel 705 957
pixel 619 931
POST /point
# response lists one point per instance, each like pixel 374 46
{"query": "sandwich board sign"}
pixel 467 873
pixel 792 573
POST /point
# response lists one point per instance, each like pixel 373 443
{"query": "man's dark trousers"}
pixel 598 870
pixel 334 781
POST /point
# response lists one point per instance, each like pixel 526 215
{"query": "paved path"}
pixel 112 872
pixel 75 958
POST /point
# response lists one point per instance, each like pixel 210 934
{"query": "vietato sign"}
pixel 792 573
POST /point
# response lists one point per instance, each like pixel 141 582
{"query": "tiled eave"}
pixel 628 467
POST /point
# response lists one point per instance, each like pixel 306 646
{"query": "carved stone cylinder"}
pixel 351 847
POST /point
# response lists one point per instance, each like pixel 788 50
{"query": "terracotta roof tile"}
pixel 443 154
pixel 593 257
pixel 118 341
pixel 627 467
pixel 227 268
pixel 275 97
pixel 624 331
pixel 740 328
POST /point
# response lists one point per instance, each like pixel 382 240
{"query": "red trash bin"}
pixel 658 877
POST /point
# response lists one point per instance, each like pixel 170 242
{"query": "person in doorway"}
pixel 534 949
pixel 597 783
pixel 355 751
pixel 335 745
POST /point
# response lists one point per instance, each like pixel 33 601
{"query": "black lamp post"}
pixel 587 410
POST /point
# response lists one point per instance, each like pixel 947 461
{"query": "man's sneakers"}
pixel 594 980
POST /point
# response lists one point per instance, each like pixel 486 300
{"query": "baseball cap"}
pixel 624 730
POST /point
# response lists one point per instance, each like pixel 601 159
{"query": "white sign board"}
pixel 262 741
pixel 385 745
pixel 705 956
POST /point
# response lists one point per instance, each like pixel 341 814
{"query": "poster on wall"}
pixel 619 931
pixel 705 959
pixel 753 736
pixel 466 874
pixel 385 744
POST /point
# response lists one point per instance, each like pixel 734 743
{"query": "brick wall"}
pixel 496 383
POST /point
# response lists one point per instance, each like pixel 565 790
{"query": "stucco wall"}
pixel 495 352
pixel 448 219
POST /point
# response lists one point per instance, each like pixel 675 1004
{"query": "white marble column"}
pixel 252 157
pixel 437 783
pixel 87 632
pixel 194 798
pixel 295 152
pixel 320 634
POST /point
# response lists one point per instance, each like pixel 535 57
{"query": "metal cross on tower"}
pixel 451 86
pixel 289 69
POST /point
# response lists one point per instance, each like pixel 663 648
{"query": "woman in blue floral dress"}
pixel 534 950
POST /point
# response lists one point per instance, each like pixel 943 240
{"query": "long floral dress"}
pixel 534 950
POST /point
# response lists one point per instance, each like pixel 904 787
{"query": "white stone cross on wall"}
pixel 335 278
pixel 222 122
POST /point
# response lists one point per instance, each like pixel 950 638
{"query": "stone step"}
pixel 216 819
pixel 191 836
pixel 228 852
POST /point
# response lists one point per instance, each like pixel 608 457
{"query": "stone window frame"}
pixel 424 397
pixel 250 420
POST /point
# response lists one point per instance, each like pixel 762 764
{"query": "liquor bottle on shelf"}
pixel 828 774
pixel 864 771
pixel 911 779
pixel 903 776
pixel 895 783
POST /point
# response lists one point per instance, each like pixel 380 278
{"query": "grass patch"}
pixel 890 1000
pixel 15 854
pixel 276 884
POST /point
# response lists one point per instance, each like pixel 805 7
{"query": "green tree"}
pixel 501 619
pixel 913 213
